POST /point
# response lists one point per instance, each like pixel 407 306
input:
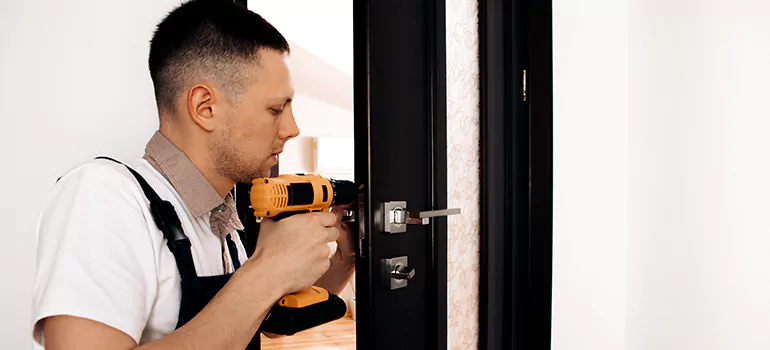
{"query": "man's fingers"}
pixel 339 212
pixel 332 234
pixel 327 219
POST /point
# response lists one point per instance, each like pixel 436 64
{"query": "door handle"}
pixel 396 272
pixel 402 272
pixel 434 213
pixel 395 216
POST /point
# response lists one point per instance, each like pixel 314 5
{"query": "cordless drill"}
pixel 281 197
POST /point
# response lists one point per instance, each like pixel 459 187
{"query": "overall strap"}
pixel 233 249
pixel 166 219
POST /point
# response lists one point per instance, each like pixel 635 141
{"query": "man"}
pixel 107 277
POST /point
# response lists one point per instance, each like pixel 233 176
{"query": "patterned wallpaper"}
pixel 463 173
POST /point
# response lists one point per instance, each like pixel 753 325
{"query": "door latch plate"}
pixel 394 216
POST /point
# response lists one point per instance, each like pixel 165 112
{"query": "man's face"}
pixel 247 146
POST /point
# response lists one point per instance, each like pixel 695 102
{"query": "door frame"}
pixel 516 174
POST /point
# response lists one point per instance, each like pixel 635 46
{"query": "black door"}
pixel 400 162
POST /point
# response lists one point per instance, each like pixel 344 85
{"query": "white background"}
pixel 661 237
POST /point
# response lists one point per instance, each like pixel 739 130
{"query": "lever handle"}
pixel 402 272
pixel 434 213
pixel 395 216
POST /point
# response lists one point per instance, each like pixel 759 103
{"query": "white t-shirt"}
pixel 101 256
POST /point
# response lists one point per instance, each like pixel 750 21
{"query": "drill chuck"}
pixel 344 192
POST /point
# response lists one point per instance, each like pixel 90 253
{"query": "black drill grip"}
pixel 288 321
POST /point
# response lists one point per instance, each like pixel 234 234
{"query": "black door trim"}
pixel 437 66
pixel 516 174
pixel 362 131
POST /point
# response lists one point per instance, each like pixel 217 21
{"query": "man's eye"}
pixel 276 112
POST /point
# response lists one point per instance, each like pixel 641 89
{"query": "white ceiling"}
pixel 323 27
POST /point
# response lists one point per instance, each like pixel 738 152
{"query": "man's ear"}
pixel 200 106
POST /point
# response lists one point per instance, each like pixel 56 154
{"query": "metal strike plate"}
pixel 396 272
pixel 361 224
pixel 394 217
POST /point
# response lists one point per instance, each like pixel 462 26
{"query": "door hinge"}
pixel 524 85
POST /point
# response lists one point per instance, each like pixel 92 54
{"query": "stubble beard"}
pixel 232 164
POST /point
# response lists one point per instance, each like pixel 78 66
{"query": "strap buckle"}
pixel 168 222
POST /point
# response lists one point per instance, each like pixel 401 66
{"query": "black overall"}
pixel 196 291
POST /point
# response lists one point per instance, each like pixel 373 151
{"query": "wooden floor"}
pixel 337 335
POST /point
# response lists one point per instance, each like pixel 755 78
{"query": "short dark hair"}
pixel 212 38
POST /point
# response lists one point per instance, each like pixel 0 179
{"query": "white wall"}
pixel 590 174
pixel 75 85
pixel 699 239
pixel 673 254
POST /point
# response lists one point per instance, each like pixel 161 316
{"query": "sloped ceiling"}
pixel 321 37
pixel 320 80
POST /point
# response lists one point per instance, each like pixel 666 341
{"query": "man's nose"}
pixel 289 128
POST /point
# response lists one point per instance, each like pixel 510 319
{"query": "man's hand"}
pixel 346 242
pixel 296 249
pixel 343 261
pixel 340 262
